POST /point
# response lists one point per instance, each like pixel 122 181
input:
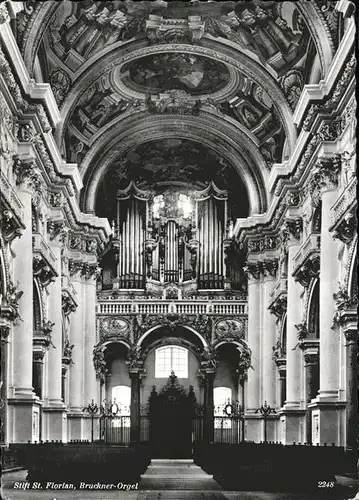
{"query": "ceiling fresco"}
pixel 113 64
pixel 157 73
pixel 159 163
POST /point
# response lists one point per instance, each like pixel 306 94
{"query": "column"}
pixel 327 409
pixel 91 384
pixel 292 414
pixel 209 406
pixel 4 330
pixel 54 414
pixel 135 405
pixel 282 368
pixel 329 363
pixel 76 370
pixel 38 372
pixel 350 330
pixel 268 338
pixel 311 385
pixel 252 386
pixel 24 401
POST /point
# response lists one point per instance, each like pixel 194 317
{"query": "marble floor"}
pixel 9 491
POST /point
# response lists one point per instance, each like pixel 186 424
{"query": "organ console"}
pixel 174 236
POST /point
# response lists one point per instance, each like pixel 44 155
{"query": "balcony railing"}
pixel 310 245
pixel 190 307
pixel 344 202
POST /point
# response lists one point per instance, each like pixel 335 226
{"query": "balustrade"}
pixel 220 307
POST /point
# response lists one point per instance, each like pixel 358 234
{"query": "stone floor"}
pixel 162 481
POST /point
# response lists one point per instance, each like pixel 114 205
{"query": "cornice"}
pixel 40 91
pixel 319 91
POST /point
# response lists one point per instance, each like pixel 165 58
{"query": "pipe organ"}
pixel 175 236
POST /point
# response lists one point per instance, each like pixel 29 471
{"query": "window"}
pixel 221 397
pixel 171 358
pixel 121 396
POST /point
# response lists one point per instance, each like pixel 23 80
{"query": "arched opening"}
pixel 313 315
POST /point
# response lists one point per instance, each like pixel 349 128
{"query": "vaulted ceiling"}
pixel 165 92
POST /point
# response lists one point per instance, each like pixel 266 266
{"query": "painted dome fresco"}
pixel 191 73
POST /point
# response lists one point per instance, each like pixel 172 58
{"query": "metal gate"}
pixel 115 424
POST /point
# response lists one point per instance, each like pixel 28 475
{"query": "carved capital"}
pixel 75 266
pixel 38 354
pixel 67 352
pixel 269 267
pixel 27 174
pixel 252 270
pixel 292 229
pixel 57 231
pixel 346 229
pixel 311 358
pixel 90 270
pixel 325 174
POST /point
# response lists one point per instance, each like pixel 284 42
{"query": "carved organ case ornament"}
pixel 174 235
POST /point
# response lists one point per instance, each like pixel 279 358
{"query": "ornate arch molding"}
pixel 39 305
pixel 310 304
pixel 156 327
pixel 4 268
pixel 248 163
pixel 94 69
pixel 320 32
pixel 350 271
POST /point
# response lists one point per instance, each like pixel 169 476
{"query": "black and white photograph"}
pixel 178 250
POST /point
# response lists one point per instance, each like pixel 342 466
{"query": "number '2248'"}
pixel 326 484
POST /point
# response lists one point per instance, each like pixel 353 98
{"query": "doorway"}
pixel 171 413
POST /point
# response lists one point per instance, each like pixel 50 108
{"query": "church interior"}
pixel 178 250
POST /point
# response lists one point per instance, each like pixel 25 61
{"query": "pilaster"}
pixel 76 426
pixel 54 410
pixel 252 386
pixel 291 415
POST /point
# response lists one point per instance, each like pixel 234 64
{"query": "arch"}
pixel 353 272
pixel 156 327
pixel 104 345
pixel 38 313
pixel 283 334
pixel 221 137
pixel 3 274
pixel 313 309
pixel 214 49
